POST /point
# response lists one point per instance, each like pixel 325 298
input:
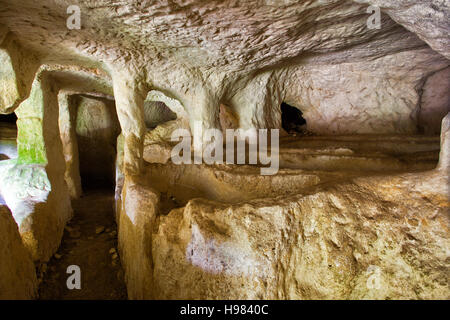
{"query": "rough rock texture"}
pixel 379 96
pixel 428 19
pixel 137 215
pixel 208 233
pixel 205 53
pixel 349 241
pixel 367 238
pixel 354 217
pixel 17 274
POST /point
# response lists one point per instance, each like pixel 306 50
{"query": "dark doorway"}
pixel 292 119
pixel 97 128
pixel 8 118
pixel 8 136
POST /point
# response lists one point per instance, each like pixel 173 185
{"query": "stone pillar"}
pixel 130 111
pixel 67 123
pixel 17 272
pixel 203 108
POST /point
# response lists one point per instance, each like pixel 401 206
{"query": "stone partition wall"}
pixel 67 128
pixel 33 185
pixel 137 210
pixel 381 237
pixel 336 243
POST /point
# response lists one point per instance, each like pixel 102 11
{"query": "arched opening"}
pixel 292 120
pixel 8 136
pixel 162 115
pixel 156 113
pixel 96 128
pixel 89 128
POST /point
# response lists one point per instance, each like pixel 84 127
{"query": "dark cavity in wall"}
pixel 8 136
pixel 8 118
pixel 292 119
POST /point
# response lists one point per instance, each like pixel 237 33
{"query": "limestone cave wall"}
pixel 358 207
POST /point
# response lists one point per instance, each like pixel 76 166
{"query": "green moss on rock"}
pixel 30 141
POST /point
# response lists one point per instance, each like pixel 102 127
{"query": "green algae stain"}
pixel 30 135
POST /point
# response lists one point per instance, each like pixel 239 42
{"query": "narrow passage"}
pixel 90 242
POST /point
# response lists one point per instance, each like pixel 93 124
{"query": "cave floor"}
pixel 90 242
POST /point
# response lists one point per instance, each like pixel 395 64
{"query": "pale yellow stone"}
pixel 17 273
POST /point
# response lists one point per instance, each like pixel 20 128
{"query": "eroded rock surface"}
pixel 340 237
pixel 359 208
pixel 349 241
pixel 17 273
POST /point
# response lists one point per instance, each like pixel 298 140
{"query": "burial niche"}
pixel 292 119
pixel 156 113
